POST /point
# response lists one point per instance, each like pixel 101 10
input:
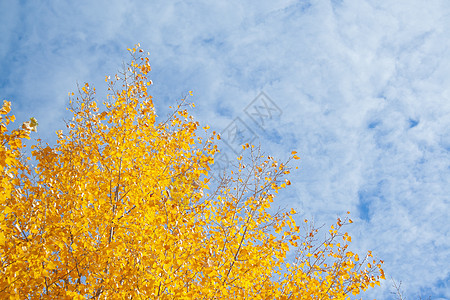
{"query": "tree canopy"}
pixel 123 207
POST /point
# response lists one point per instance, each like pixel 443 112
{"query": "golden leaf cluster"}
pixel 121 207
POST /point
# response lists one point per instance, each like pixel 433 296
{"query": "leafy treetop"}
pixel 120 207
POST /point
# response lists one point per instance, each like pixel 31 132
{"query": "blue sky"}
pixel 361 89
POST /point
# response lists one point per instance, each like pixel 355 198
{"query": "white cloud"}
pixel 363 86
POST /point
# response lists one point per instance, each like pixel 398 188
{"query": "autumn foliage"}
pixel 122 207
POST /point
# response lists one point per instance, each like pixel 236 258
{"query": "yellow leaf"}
pixel 2 239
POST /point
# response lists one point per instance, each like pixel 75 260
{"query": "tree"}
pixel 118 208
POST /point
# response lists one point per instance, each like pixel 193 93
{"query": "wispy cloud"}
pixel 363 87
